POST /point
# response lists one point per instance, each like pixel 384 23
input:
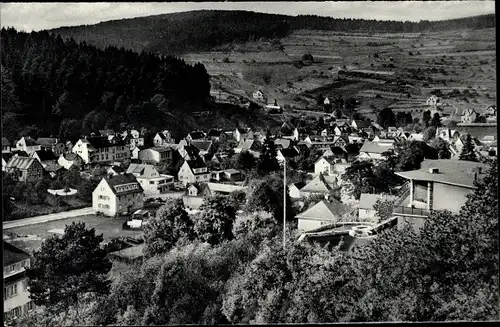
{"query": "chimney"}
pixel 434 170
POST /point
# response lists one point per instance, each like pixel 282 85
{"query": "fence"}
pixel 401 210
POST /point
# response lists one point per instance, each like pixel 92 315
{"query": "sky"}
pixel 38 16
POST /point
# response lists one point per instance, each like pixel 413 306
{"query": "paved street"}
pixel 46 218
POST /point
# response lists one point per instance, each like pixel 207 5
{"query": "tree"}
pixel 215 222
pixel 67 267
pixel 386 118
pixel 320 99
pixel 429 133
pixel 170 224
pixel 267 160
pixel 364 177
pixel 442 148
pixel 384 209
pixel 244 161
pixel 409 155
pixel 436 120
pixel 468 152
pixel 426 118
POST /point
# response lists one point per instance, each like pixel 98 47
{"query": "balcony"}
pixel 409 211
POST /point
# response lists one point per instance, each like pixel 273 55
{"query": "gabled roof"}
pixel 375 147
pixel 161 135
pixel 20 153
pixel 320 184
pixel 469 111
pixel 289 152
pixel 214 132
pixel 5 141
pixel 159 149
pixel 225 188
pixel 70 156
pixel 330 160
pixel 197 135
pixel 45 155
pixel 249 145
pixel 298 185
pixel 21 163
pixel 97 142
pixel 117 169
pixel 367 201
pixel 454 172
pixel 244 130
pixel 116 183
pixel 6 156
pixel 12 254
pixel 232 171
pixel 143 170
pixel 29 141
pixel 361 123
pixel 202 145
pixel 196 164
pixel 325 210
pixel 52 167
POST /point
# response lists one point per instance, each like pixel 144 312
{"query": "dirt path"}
pixel 46 218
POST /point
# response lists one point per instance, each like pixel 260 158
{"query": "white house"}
pixel 193 171
pixel 468 116
pixel 134 152
pixel 150 179
pixel 326 101
pixel 321 184
pixel 374 150
pixel 325 212
pixel 324 165
pixel 243 133
pixel 156 155
pixel 294 190
pixel 117 195
pixel 432 100
pixel 366 203
pixel 163 138
pixel 101 150
pixel 28 145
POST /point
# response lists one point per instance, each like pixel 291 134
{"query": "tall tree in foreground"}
pixel 215 222
pixel 426 118
pixel 267 160
pixel 67 267
pixel 468 152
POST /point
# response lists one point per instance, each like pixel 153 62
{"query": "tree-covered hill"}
pixel 52 86
pixel 205 29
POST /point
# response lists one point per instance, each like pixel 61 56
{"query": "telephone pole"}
pixel 284 204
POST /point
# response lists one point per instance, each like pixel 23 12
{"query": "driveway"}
pixel 46 218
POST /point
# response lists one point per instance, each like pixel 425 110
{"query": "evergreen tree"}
pixel 267 160
pixel 426 118
pixel 436 120
pixel 468 152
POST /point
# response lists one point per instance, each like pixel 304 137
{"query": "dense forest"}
pixel 205 29
pixel 52 86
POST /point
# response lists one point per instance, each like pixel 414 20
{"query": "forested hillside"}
pixel 205 29
pixel 55 87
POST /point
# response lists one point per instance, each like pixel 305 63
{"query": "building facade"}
pixel 117 195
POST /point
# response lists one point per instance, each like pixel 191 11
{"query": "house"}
pixel 99 149
pixel 52 169
pixel 325 212
pixel 243 133
pixel 16 297
pixel 134 152
pixel 28 145
pixel 291 153
pixel 194 190
pixel 282 143
pixel 5 145
pixel 204 147
pixel 374 150
pixel 195 135
pixel 188 152
pixel 294 189
pixel 213 189
pixel 156 155
pixel 321 184
pixel 366 203
pixel 134 138
pixel 326 101
pixel 68 160
pixel 259 136
pixel 488 139
pixel 294 135
pixel 117 195
pixel 324 166
pixel 468 116
pixel 219 158
pixel 258 95
pixel 360 124
pixel 325 132
pixel 45 157
pixel 232 175
pixel 5 158
pixel 115 170
pixel 355 138
pixel 163 138
pixel 449 135
pixel 193 171
pixel 151 180
pixel 491 111
pixel 252 146
pixel 25 168
pixel 438 185
pixel 460 141
pixel 52 144
pixel 432 101
pixel 217 135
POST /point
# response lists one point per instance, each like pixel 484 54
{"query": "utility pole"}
pixel 284 204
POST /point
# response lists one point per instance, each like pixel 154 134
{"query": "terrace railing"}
pixel 408 211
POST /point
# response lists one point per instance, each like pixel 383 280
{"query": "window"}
pixel 151 183
pixel 9 291
pixel 25 285
pixel 16 312
pixel 103 197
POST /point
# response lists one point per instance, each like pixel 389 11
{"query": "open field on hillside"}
pixel 390 65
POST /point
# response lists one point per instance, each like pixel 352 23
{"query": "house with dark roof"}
pixel 45 157
pixel 151 180
pixel 101 150
pixel 291 153
pixel 187 151
pixel 163 138
pixel 5 145
pixel 195 135
pixel 217 134
pixel 438 185
pixel 52 144
pixel 28 145
pixel 5 158
pixel 294 189
pixel 213 189
pixel 320 185
pixel 24 168
pixel 117 195
pixel 193 171
pixel 325 212
pixel 203 146
pixel 360 124
pixel 468 116
pixel 16 297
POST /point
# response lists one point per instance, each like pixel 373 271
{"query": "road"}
pixel 46 218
